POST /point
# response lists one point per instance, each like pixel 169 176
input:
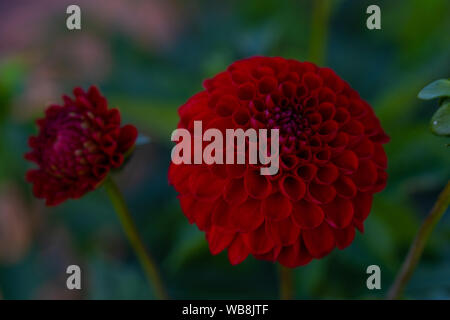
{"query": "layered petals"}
pixel 331 162
pixel 78 143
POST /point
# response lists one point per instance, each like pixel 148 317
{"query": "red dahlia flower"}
pixel 331 163
pixel 78 144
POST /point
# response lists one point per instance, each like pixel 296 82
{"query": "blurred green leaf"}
pixel 436 89
pixel 116 280
pixel 11 74
pixel 440 122
pixel 190 244
pixel 159 118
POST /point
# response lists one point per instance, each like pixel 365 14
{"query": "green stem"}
pixel 418 245
pixel 135 240
pixel 319 30
pixel 286 283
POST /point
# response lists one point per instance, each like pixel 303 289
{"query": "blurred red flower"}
pixel 77 145
pixel 331 163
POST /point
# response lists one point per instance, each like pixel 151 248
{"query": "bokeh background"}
pixel 148 57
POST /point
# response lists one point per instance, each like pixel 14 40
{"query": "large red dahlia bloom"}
pixel 77 145
pixel 331 163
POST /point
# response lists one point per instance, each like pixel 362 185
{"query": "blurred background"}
pixel 149 57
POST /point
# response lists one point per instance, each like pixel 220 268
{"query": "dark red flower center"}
pixel 71 146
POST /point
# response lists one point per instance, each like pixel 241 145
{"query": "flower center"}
pixel 70 147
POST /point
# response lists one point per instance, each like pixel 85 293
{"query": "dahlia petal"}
pixel 307 172
pixel 117 160
pixel 197 211
pixel 289 162
pixel 362 203
pixel 370 124
pixel 257 241
pixel 327 95
pixel 226 105
pixel 186 203
pixel 327 110
pixel 288 89
pixel 218 239
pixel 353 128
pixel 359 225
pixel 321 193
pixel 247 216
pixel 179 176
pixel 221 215
pixel 307 215
pixel 127 138
pixel 312 81
pixel 339 212
pixel 237 251
pixel 345 187
pixel 364 149
pixel 379 156
pixel 235 170
pixel 276 207
pixel 240 77
pixel 323 156
pixel 328 130
pixel 339 142
pixel 327 174
pixel 246 91
pixel 218 170
pixel 271 256
pixel 257 186
pixel 319 241
pixel 342 116
pixel 202 212
pixel 366 175
pixel 267 85
pixel 382 177
pixel 357 108
pixel 234 192
pixel 347 161
pixel 344 237
pixel 342 101
pixel 221 124
pixel 295 255
pixel 283 232
pixel 108 145
pixel 204 185
pixel 380 137
pixel 241 118
pixel 315 122
pixel 292 187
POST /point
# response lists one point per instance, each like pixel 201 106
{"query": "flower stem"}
pixel 135 240
pixel 319 30
pixel 418 245
pixel 286 283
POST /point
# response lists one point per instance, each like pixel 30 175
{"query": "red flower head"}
pixel 78 143
pixel 331 163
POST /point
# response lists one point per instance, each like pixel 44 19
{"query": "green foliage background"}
pixel 148 77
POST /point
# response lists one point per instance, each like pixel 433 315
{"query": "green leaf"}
pixel 440 122
pixel 12 73
pixel 159 118
pixel 436 89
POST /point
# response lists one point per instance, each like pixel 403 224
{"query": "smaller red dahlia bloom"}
pixel 77 145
